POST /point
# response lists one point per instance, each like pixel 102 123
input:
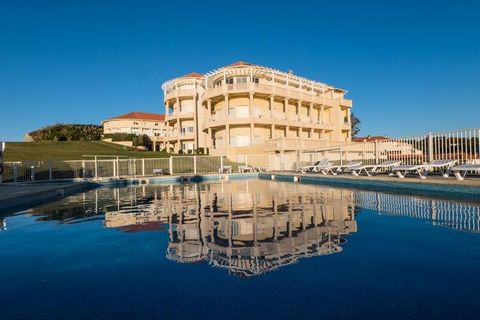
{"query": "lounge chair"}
pixel 334 169
pixel 424 169
pixel 461 171
pixel 315 167
pixel 368 169
pixel 246 169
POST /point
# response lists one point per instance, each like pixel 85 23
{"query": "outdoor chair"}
pixel 371 169
pixel 314 167
pixel 424 169
pixel 335 169
pixel 461 171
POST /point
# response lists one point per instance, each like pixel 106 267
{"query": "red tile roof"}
pixel 193 75
pixel 240 63
pixel 141 116
pixel 369 138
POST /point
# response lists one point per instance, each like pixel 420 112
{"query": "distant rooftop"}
pixel 141 116
pixel 193 75
pixel 370 138
pixel 240 64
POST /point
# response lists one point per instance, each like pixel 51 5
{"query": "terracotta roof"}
pixel 240 63
pixel 193 75
pixel 141 116
pixel 369 138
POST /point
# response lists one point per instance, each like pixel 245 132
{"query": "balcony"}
pixel 291 144
pixel 345 102
pixel 269 89
pixel 180 93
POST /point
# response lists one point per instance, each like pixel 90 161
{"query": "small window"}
pixel 229 80
pixel 242 80
pixel 255 80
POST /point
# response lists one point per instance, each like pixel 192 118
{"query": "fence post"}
pixel 32 173
pixel 50 177
pixel 118 168
pixel 194 164
pixel 15 172
pixel 221 164
pixel 96 168
pixel 143 167
pixel 341 155
pixel 114 168
pixel 430 147
pixel 170 164
pixel 246 160
pixel 376 152
pixel 83 169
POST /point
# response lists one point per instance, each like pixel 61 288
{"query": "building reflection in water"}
pixel 249 227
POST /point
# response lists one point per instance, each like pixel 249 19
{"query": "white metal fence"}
pixel 23 171
pixel 460 145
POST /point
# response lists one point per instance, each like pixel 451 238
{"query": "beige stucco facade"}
pixel 245 108
pixel 153 125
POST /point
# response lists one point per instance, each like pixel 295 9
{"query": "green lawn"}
pixel 70 150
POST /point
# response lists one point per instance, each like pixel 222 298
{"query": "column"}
pixel 252 128
pixel 228 136
pixel 272 130
pixel 209 138
pixel 299 107
pixel 250 105
pixel 310 111
pixel 227 106
pixel 285 106
pixel 209 108
pixel 320 115
pixel 272 101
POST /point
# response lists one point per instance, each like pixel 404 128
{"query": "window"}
pixel 257 112
pixel 240 141
pixel 229 80
pixel 186 130
pixel 238 112
pixel 242 80
pixel 219 142
pixel 255 80
pixel 156 124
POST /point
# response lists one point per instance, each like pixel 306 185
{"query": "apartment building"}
pixel 244 108
pixel 151 124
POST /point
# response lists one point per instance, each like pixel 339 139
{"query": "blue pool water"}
pixel 241 250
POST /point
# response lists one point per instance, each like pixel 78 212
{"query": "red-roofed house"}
pixel 151 124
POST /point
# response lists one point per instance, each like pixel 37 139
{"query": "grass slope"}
pixel 70 150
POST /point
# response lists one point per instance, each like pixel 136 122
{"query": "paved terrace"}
pixel 434 184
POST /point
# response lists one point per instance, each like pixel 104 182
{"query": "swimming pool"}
pixel 250 249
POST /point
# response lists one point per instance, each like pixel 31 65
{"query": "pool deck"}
pixel 433 184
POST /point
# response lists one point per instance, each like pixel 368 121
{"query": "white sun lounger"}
pixel 315 167
pixel 423 169
pixel 369 169
pixel 461 171
pixel 339 168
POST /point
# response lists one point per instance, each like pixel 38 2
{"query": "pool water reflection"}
pixel 246 229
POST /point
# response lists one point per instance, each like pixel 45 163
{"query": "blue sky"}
pixel 409 66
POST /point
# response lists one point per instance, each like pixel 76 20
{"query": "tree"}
pixel 355 125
